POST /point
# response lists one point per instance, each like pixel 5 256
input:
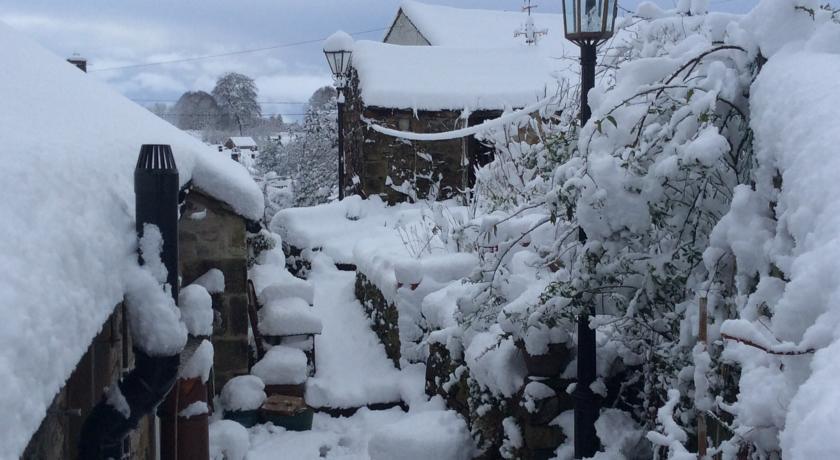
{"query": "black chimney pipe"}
pixel 156 188
pixel 156 202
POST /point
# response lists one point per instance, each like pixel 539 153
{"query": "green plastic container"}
pixel 290 412
pixel 246 418
pixel 301 421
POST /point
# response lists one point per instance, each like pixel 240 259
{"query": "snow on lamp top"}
pixel 339 41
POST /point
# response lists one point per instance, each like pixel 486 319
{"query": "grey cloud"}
pixel 117 33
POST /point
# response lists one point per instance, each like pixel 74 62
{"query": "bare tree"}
pixel 236 95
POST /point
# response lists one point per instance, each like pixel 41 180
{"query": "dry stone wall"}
pixel 211 235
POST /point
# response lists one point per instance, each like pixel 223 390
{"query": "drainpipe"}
pixel 156 194
pixel 193 434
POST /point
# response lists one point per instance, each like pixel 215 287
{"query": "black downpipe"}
pixel 156 194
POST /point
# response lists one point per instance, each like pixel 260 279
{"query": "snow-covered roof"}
pixel 67 218
pixel 438 78
pixel 476 28
pixel 243 142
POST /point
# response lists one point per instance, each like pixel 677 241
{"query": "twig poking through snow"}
pixel 769 350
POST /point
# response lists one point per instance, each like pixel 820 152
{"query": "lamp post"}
pixel 338 49
pixel 587 23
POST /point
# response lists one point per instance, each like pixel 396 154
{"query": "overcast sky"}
pixel 124 32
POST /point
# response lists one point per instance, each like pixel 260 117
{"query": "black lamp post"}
pixel 339 49
pixel 588 23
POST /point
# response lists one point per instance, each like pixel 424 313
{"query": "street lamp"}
pixel 338 49
pixel 588 23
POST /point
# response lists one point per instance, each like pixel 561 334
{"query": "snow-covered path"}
pixel 352 368
pixel 353 372
pixel 342 438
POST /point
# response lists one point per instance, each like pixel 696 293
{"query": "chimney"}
pixel 78 61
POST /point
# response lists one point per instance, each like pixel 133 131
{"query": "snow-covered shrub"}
pixel 668 143
pixel 774 254
pixel 612 219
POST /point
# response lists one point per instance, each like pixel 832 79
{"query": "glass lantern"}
pixel 589 21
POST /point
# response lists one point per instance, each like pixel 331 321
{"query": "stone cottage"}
pixel 440 69
pixel 68 251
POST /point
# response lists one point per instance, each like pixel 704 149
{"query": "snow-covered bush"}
pixel 668 143
pixel 612 219
pixel 773 255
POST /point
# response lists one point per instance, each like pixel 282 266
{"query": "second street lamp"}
pixel 588 23
pixel 338 49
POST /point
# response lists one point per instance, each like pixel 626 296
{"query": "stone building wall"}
pixel 211 236
pixel 107 357
pixel 374 157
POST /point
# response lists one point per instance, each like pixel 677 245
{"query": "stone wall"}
pixel 448 376
pixel 211 236
pixel 375 157
pixel 383 315
pixel 107 357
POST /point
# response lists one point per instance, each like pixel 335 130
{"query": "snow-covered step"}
pixel 352 368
